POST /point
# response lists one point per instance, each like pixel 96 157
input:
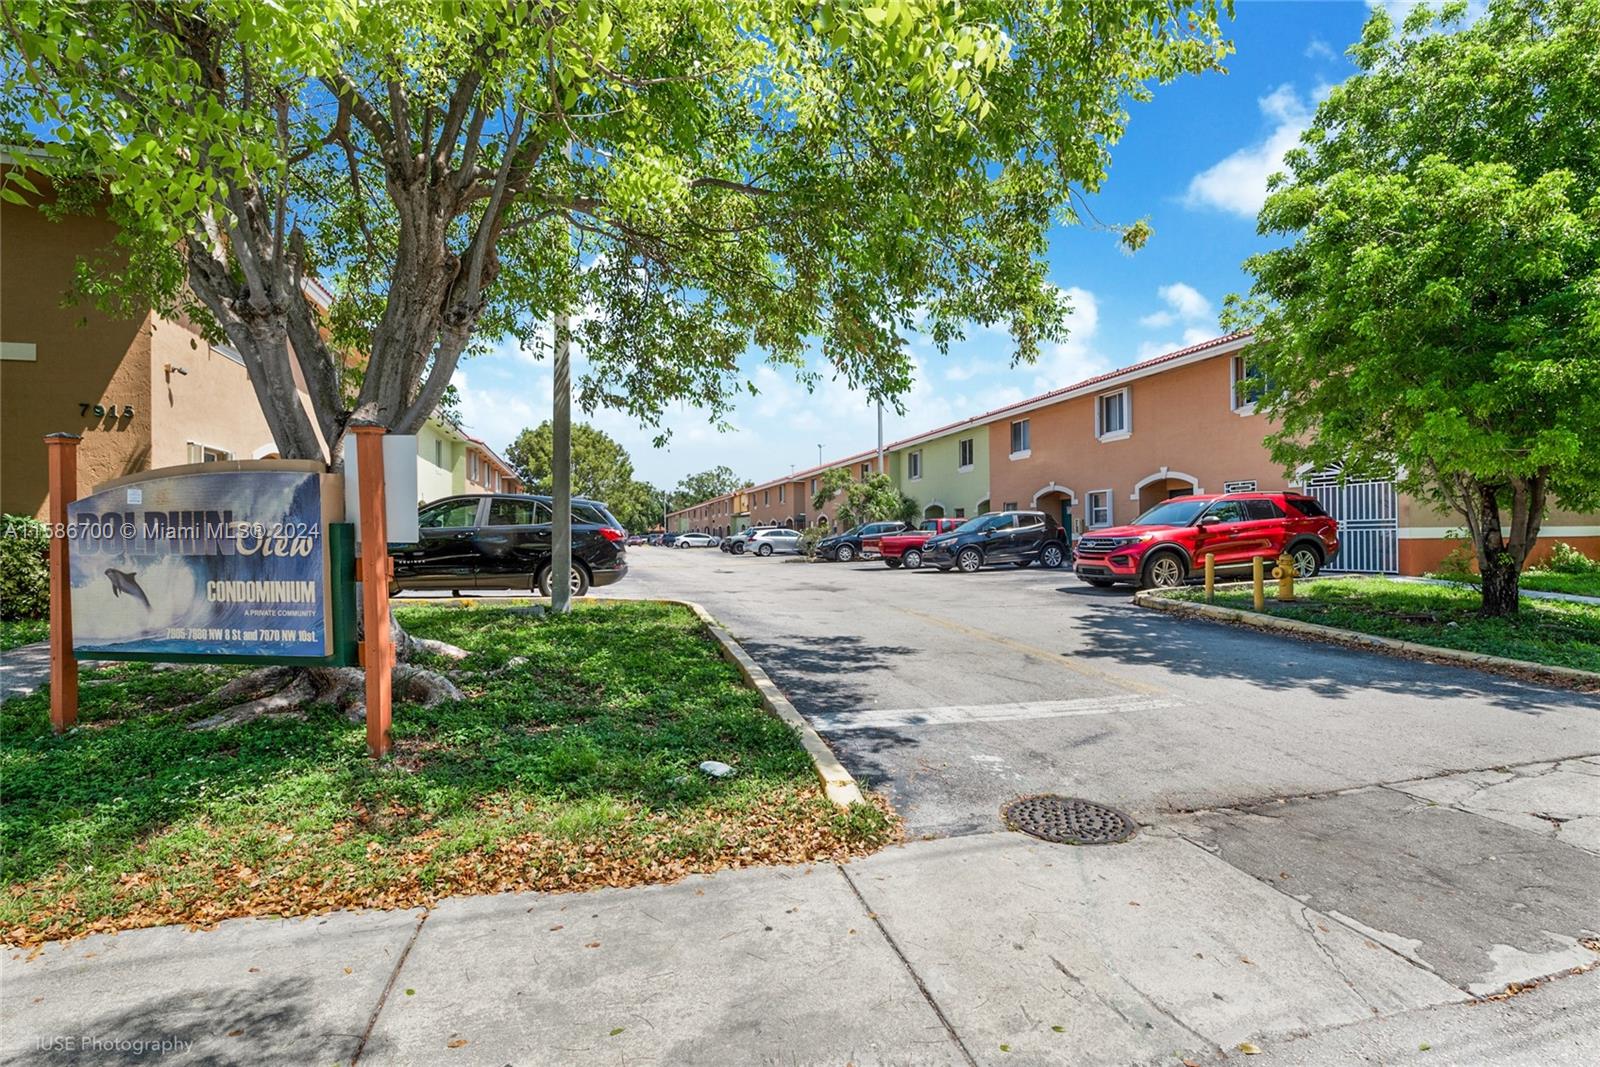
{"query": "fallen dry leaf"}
pixel 1248 1049
pixel 457 1043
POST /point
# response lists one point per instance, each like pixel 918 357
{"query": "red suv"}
pixel 1168 544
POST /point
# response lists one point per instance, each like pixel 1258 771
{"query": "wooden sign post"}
pixel 63 452
pixel 377 643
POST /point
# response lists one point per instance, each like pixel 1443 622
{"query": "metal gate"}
pixel 1369 521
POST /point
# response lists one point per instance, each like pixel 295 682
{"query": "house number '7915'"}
pixel 102 411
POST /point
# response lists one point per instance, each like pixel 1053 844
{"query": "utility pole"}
pixel 880 438
pixel 819 455
pixel 561 464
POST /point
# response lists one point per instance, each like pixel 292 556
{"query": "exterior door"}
pixel 1369 521
pixel 445 551
pixel 1224 532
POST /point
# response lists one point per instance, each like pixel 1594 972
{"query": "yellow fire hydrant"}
pixel 1284 572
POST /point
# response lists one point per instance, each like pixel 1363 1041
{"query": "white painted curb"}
pixel 1150 598
pixel 839 785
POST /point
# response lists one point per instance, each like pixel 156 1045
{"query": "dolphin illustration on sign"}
pixel 126 582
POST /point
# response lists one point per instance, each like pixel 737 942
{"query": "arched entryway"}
pixel 983 506
pixel 934 510
pixel 1057 501
pixel 1164 484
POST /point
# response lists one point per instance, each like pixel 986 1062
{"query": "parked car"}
pixel 1020 538
pixel 846 546
pixel 502 541
pixel 905 548
pixel 773 541
pixel 1166 545
pixel 696 540
pixel 738 542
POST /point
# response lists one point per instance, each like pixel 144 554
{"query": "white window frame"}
pixel 1089 508
pixel 1234 378
pixel 197 453
pixel 1027 433
pixel 1100 432
pixel 914 465
pixel 780 494
pixel 968 445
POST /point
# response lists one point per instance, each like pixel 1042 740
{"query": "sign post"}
pixel 377 645
pixel 63 452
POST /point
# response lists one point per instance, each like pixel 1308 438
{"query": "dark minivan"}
pixel 502 541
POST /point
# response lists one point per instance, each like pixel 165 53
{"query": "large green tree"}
pixel 704 485
pixel 601 470
pixel 689 177
pixel 1436 310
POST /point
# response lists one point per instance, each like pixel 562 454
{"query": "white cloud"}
pixel 1319 49
pixel 1076 358
pixel 1238 183
pixel 1184 304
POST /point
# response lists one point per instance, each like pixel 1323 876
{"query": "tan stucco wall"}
pixel 1181 420
pixel 83 356
pixel 213 404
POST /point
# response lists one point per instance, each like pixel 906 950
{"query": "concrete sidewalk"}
pixel 985 949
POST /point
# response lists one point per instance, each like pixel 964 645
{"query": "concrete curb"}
pixel 1150 598
pixel 838 783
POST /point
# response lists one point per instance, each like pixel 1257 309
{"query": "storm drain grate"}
pixel 1068 820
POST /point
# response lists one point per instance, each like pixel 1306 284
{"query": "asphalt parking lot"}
pixel 956 693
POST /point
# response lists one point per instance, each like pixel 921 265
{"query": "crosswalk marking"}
pixel 970 714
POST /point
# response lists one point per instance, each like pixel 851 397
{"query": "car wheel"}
pixel 1307 561
pixel 1051 556
pixel 738 549
pixel 892 564
pixel 580 580
pixel 1100 583
pixel 911 559
pixel 969 560
pixel 1164 571
pixel 1021 563
pixel 764 550
pixel 845 554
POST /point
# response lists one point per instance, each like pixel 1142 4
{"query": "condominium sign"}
pixel 208 559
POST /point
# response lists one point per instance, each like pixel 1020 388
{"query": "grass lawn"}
pixel 1544 581
pixel 1553 632
pixel 572 770
pixel 17 632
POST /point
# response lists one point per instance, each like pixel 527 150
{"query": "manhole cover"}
pixel 1068 820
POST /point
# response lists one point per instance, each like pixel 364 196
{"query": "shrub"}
pixel 1564 559
pixel 1458 564
pixel 24 568
pixel 809 538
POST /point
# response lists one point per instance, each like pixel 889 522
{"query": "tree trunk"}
pixel 1501 556
pixel 1502 577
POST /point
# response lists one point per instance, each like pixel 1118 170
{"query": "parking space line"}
pixel 1064 660
pixel 973 714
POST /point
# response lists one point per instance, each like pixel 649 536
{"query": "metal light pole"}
pixel 819 455
pixel 880 438
pixel 561 469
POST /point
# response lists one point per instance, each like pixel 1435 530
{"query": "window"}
pixel 1001 522
pixel 961 513
pixel 780 494
pixel 1100 507
pixel 592 514
pixel 517 513
pixel 206 454
pixel 914 464
pixel 1021 439
pixel 766 498
pixel 1226 511
pixel 1247 383
pixel 866 469
pixel 1262 508
pixel 449 515
pixel 813 487
pixel 1111 416
pixel 1248 486
pixel 964 454
pixel 1308 507
pixel 1010 505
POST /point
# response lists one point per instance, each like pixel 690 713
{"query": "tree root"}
pixel 286 692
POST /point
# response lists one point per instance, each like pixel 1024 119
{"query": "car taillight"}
pixel 612 535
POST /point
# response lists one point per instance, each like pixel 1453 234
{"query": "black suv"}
pixel 484 541
pixel 1020 538
pixel 846 546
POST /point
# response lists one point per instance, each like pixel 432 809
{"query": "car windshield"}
pixel 973 525
pixel 1180 512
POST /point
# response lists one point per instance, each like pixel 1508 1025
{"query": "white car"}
pixel 696 540
pixel 769 542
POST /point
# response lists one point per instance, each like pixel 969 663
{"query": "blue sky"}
pixel 1194 162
